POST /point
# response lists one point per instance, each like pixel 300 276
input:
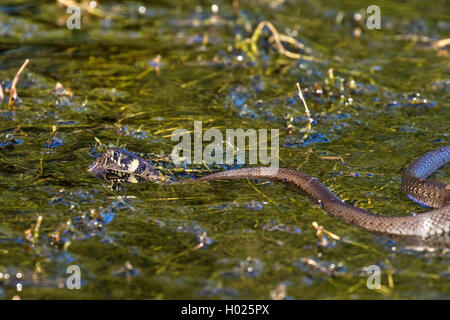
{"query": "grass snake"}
pixel 122 165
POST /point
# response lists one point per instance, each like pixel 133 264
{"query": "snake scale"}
pixel 122 165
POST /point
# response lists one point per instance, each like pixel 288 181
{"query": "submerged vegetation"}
pixel 354 106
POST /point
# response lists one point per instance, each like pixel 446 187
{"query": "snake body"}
pixel 121 165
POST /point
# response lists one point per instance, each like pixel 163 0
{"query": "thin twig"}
pixel 309 151
pixel 442 47
pixel 278 38
pixel 310 120
pixel 332 158
pixel 441 43
pixel 292 41
pixel 32 234
pixel 52 136
pixel 13 92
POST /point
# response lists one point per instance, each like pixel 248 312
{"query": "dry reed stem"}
pixel 13 92
pixel 308 114
pixel 278 38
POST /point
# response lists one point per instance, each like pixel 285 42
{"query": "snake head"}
pixel 121 165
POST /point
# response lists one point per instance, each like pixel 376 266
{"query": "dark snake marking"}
pixel 121 165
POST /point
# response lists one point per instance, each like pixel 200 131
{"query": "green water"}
pixel 386 104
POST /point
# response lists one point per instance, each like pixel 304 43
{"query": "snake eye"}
pixel 116 155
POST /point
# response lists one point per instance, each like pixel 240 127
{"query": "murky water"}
pixel 134 73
